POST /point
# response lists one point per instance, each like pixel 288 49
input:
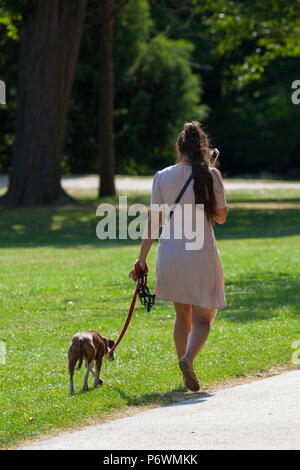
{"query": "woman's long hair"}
pixel 193 142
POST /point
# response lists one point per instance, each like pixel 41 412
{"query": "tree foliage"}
pixel 229 63
pixel 163 94
pixel 155 90
pixel 270 29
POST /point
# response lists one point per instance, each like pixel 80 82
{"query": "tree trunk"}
pixel 106 101
pixel 51 39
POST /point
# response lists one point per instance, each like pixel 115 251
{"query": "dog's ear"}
pixel 111 343
pixel 106 343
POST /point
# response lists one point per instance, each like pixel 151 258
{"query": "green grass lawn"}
pixel 57 278
pixel 265 195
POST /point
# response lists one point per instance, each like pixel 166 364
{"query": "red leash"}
pixel 132 305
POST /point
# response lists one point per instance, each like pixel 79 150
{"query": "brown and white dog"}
pixel 90 346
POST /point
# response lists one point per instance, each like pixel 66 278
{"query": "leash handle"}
pixel 140 272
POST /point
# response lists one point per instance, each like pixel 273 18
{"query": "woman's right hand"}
pixel 133 275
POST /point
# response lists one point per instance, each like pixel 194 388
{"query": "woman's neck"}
pixel 183 158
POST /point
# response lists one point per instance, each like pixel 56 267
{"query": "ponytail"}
pixel 194 143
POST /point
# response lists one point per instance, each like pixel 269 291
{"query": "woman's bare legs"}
pixel 192 327
pixel 182 327
pixel 202 319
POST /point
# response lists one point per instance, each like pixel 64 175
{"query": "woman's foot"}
pixel 190 379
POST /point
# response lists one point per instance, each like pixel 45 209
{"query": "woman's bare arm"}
pixel 221 215
pixel 151 231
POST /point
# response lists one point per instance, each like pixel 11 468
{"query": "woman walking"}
pixel 192 279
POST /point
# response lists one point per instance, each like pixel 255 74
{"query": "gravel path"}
pixel 144 184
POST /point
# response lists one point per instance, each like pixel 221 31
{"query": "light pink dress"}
pixel 188 276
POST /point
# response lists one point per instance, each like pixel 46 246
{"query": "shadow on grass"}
pixel 259 223
pixel 72 226
pixel 177 396
pixel 262 201
pixel 262 296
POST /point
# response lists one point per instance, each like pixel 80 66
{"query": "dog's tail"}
pixel 80 355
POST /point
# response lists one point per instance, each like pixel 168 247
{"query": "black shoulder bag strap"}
pixel 182 193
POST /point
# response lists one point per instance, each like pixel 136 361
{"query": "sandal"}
pixel 190 379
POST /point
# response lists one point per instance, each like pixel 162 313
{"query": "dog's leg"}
pixel 71 373
pixel 91 368
pixel 85 382
pixel 85 365
pixel 71 386
pixel 97 380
